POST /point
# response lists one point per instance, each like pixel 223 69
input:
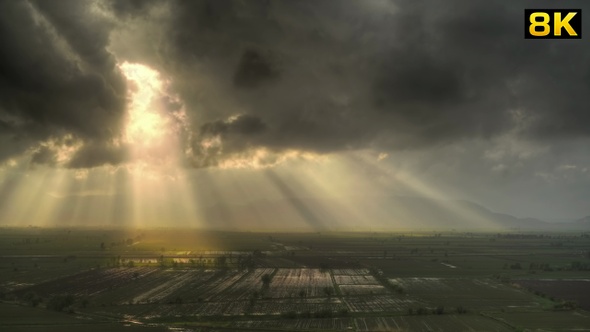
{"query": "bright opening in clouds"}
pixel 145 125
pixel 152 133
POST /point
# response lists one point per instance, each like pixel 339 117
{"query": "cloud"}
pixel 98 154
pixel 337 76
pixel 130 8
pixel 215 140
pixel 242 124
pixel 254 69
pixel 320 77
pixel 43 156
pixel 56 76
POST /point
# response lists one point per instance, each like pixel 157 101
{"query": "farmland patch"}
pixel 300 283
pixel 569 290
pixel 472 294
pixel 547 320
pixel 380 303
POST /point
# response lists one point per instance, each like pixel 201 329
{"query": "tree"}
pixel 60 302
pixel 221 261
pixel 32 298
pixel 266 279
pixel 253 298
pixel 161 260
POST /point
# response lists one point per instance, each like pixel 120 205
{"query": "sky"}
pixel 155 112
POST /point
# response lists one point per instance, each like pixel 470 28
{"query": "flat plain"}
pixel 72 279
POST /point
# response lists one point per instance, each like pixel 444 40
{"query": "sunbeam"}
pixel 421 189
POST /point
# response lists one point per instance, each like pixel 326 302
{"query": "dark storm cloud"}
pixel 10 142
pixel 487 69
pixel 267 60
pixel 254 69
pixel 242 125
pixel 130 8
pixel 336 75
pixel 98 154
pixel 238 134
pixel 56 76
pixel 317 76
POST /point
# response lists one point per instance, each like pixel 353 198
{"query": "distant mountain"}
pixel 373 213
pixel 583 223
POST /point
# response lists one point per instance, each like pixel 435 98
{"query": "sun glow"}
pixel 147 126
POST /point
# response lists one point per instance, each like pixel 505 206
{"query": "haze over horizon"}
pixel 223 113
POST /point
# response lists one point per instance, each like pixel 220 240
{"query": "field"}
pixel 575 290
pixel 16 318
pixel 476 294
pixel 186 280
